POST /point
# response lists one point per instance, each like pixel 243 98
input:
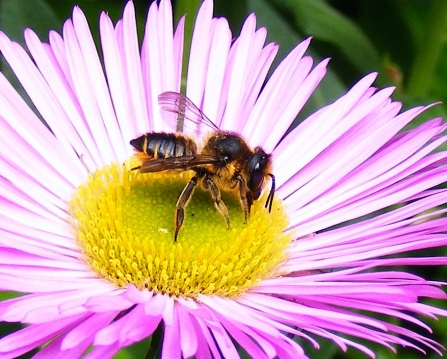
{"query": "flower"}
pixel 67 238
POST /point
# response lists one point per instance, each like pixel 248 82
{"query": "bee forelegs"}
pixel 218 203
pixel 243 197
pixel 182 203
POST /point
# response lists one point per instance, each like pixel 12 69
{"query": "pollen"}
pixel 123 222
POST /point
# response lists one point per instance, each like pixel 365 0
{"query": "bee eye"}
pixel 256 167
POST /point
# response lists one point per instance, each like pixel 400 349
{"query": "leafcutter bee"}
pixel 225 161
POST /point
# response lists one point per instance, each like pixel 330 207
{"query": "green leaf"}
pixel 16 15
pixel 137 350
pixel 316 18
pixel 429 51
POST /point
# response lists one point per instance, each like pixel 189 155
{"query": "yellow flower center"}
pixel 124 224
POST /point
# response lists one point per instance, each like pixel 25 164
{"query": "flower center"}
pixel 124 224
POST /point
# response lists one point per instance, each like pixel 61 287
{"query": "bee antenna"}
pixel 269 201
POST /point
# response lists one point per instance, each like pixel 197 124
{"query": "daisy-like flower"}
pixel 90 240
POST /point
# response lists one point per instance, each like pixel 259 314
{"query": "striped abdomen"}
pixel 164 145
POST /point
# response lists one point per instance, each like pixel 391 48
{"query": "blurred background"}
pixel 404 40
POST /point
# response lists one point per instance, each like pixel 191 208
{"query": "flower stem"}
pixel 430 49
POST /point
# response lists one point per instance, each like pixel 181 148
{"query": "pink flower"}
pixel 356 189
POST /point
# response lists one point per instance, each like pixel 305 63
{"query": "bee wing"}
pixel 180 112
pixel 178 163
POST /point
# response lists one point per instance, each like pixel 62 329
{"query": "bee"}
pixel 225 161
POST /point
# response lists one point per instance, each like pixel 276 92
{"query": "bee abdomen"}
pixel 164 145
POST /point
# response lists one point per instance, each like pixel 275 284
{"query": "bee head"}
pixel 257 166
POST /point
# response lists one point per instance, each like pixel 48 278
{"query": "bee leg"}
pixel 245 198
pixel 218 203
pixel 182 203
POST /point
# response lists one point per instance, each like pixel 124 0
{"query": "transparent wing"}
pixel 180 112
pixel 178 163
